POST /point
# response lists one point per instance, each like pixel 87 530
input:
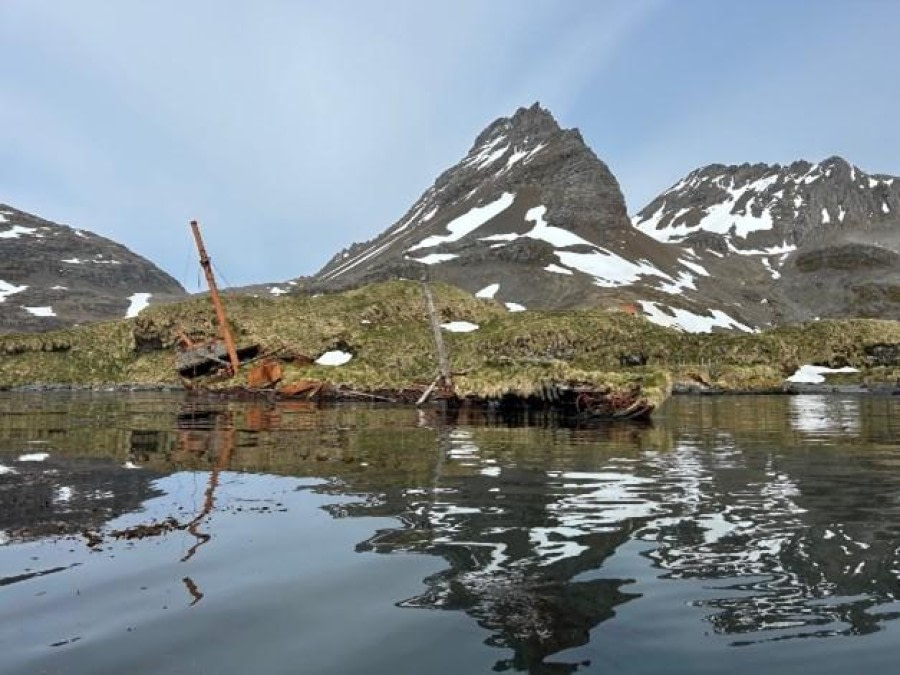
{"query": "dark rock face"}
pixel 529 216
pixel 52 276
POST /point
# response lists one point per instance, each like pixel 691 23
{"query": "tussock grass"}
pixel 386 327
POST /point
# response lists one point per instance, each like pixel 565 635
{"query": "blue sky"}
pixel 291 129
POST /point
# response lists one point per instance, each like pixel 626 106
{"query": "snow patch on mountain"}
pixel 137 302
pixel 40 311
pixel 675 317
pixel 488 292
pixel 459 326
pixel 487 154
pixel 608 269
pixel 555 236
pixel 677 286
pixel 809 374
pixel 7 289
pixel 468 222
pixel 434 258
pixel 17 231
pixel 721 218
pixel 694 267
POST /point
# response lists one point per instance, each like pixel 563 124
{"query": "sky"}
pixel 291 129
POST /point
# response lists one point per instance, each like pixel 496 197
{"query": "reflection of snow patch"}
pixel 824 415
pixel 63 494
pixel 34 457
pixel 459 326
pixel 7 470
pixel 552 543
pixel 335 357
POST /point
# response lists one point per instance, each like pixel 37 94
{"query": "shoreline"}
pixel 792 389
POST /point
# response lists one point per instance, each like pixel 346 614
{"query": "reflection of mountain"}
pixel 513 551
pixel 60 495
pixel 790 561
pixel 777 516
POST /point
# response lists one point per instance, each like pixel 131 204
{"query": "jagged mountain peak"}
pixel 517 163
pixel 533 121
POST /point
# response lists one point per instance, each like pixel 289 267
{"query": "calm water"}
pixel 156 534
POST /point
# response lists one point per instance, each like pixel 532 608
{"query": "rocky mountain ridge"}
pixel 531 217
pixel 765 206
pixel 828 234
pixel 52 276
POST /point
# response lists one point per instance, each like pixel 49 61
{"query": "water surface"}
pixel 159 534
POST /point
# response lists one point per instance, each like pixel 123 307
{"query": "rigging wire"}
pixel 220 274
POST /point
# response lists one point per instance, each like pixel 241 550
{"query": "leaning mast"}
pixel 224 328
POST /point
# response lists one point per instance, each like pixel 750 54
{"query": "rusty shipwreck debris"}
pixel 220 357
pixel 219 360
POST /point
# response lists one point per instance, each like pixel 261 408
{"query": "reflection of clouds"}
pixel 824 415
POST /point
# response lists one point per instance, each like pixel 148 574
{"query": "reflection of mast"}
pixel 193 590
pixel 224 328
pixel 209 501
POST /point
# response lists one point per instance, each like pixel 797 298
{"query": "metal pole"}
pixel 217 300
pixel 443 360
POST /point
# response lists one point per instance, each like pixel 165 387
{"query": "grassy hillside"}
pixel 386 327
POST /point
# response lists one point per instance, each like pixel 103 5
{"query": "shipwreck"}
pixel 212 365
